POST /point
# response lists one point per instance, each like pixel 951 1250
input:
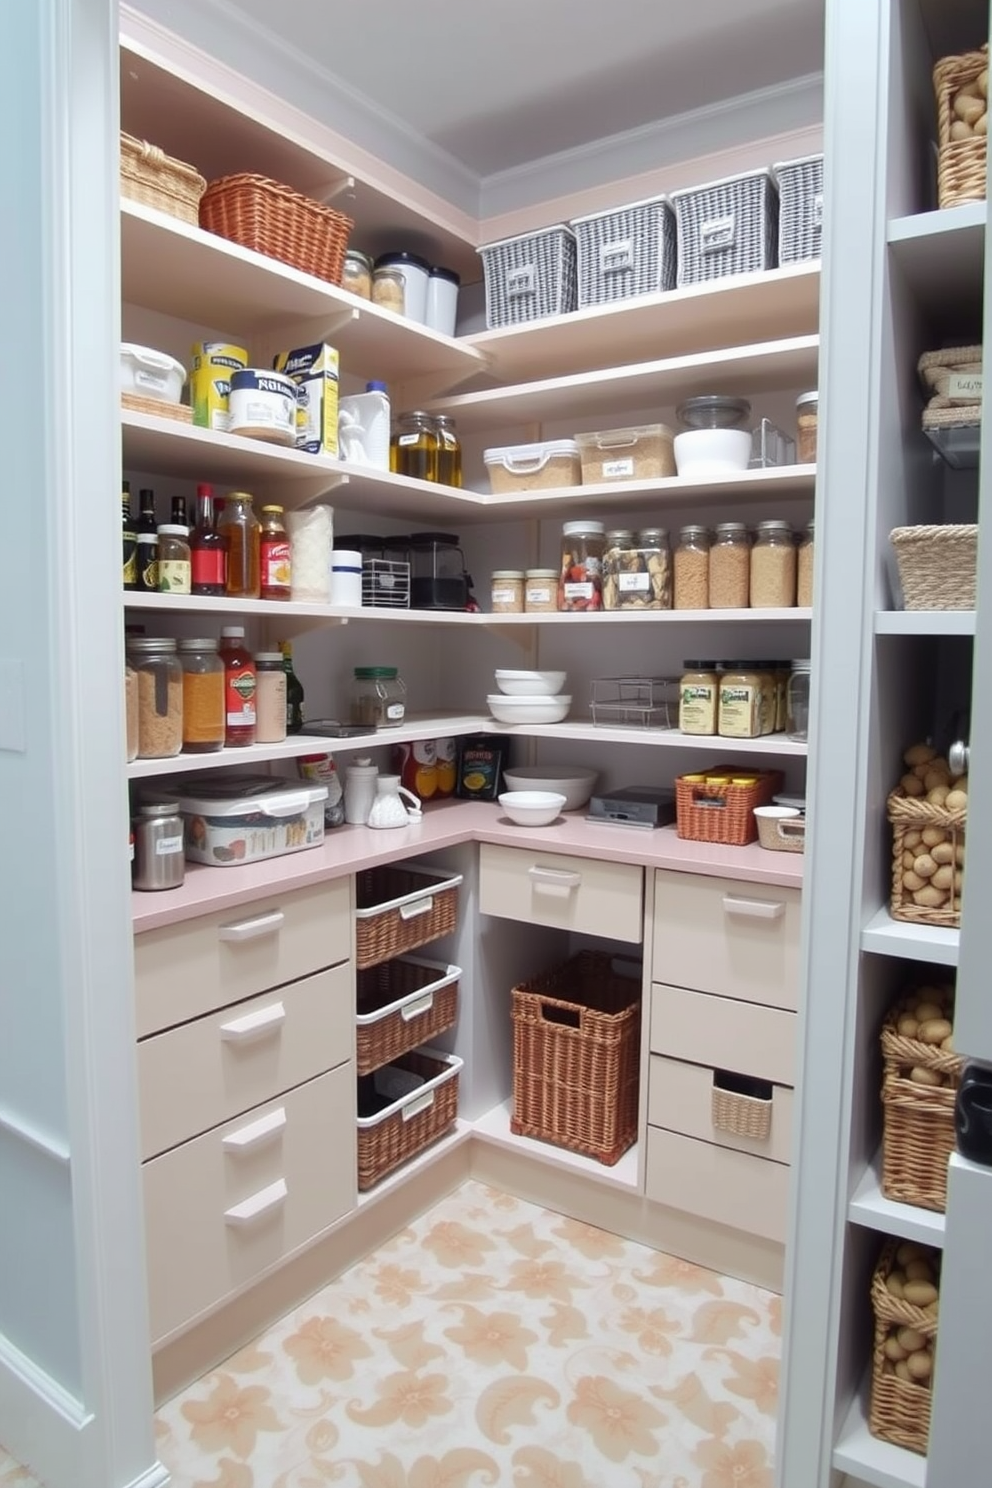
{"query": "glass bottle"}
pixel 174 568
pixel 239 687
pixel 730 567
pixel 146 532
pixel 691 570
pixel 414 448
pixel 203 696
pixel 378 697
pixel 797 723
pixel 208 549
pixel 160 695
pixel 580 584
pixel 129 537
pixel 449 459
pixel 804 569
pixel 294 691
pixel 276 570
pixel 270 674
pixel 179 518
pixel 239 525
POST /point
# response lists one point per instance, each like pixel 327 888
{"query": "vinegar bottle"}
pixel 208 549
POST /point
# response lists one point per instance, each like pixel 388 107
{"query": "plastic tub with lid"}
pixel 534 467
pixel 245 818
pixel 150 373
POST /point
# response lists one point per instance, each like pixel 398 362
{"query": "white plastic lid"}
pixel 507 573
pixel 160 360
pixel 174 529
pixel 813 397
pixel 514 453
pixel 266 796
pixel 236 632
pixel 568 529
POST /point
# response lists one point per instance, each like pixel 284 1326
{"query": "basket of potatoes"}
pixel 928 811
pixel 921 1074
pixel 905 1296
pixel 961 85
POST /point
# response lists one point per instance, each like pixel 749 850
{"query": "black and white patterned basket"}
pixel 727 227
pixel 800 221
pixel 626 251
pixel 529 276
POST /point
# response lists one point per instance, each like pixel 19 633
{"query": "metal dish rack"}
pixel 385 584
pixel 635 702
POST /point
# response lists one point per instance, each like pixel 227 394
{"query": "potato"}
pixel 907 1026
pixel 948 1044
pixel 893 1349
pixel 936 777
pixel 920 1075
pixel 981 125
pixel 957 800
pixel 968 108
pixel 912 881
pixel 911 1341
pixel 938 795
pixel 920 1293
pixel 924 866
pixel 894 1283
pixel 930 898
pixel 919 754
pixel 943 878
pixel 932 837
pixel 942 852
pixel 902 1370
pixel 913 838
pixel 911 1250
pixel 921 771
pixel 961 131
pixel 909 858
pixel 919 1270
pixel 911 785
pixel 925 1010
pixel 920 1365
pixel 935 1030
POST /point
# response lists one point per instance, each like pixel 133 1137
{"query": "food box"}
pixel 244 818
pixel 534 467
pixel 315 370
pixel 642 453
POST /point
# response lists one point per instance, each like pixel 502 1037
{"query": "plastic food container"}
pixel 245 818
pixel 534 467
pixel 151 373
pixel 642 453
pixel 262 405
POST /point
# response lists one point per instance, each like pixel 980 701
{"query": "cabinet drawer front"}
pixel 729 937
pixel 731 1188
pixel 229 1204
pixel 202 1073
pixel 724 1034
pixel 569 893
pixel 680 1098
pixel 184 970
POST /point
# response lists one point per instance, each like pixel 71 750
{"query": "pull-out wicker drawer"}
pixel 724 1034
pixel 230 1204
pixel 544 888
pixel 733 938
pixel 730 1188
pixel 685 1098
pixel 202 1073
pixel 184 970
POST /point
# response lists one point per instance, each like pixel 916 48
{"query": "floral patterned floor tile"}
pixel 13 1475
pixel 495 1343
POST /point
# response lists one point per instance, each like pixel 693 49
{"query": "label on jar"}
pixel 148 563
pixel 174 576
pixel 130 561
pixel 579 589
pixel 634 583
pixel 738 712
pixel 618 469
pixel 395 712
pixel 208 567
pixel 697 708
pixel 166 846
pixel 406 439
pixel 239 697
pixel 965 387
pixel 539 594
pixel 504 596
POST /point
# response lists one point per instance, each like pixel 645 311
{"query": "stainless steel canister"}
pixel 159 855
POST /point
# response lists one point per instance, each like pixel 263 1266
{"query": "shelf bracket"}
pixel 344 186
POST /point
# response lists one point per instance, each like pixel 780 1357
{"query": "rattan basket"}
pixel 938 566
pixel 918 1136
pixel 708 810
pixel 741 1115
pixel 576 1041
pixel 909 813
pixel 899 1411
pixel 277 221
pixel 400 907
pixel 402 1003
pixel 960 163
pixel 155 179
pixel 404 1127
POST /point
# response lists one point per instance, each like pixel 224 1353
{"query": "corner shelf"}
pixel 885 936
pixel 494 1128
pixel 925 622
pixel 871 1461
pixel 942 257
pixel 873 1211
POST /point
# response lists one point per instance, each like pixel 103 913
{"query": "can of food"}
pixel 214 362
pixel 263 406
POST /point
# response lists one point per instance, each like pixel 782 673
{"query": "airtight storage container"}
pixel 534 467
pixel 245 818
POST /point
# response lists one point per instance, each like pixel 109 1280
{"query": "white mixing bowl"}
pixel 532 808
pixel 576 785
pixel 700 453
pixel 530 684
pixel 529 709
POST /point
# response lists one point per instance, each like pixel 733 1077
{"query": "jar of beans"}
pixel 804 566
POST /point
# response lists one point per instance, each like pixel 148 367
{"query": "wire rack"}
pixel 635 702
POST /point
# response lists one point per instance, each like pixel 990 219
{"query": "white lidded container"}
pixel 442 300
pixel 534 467
pixel 245 818
pixel 151 373
pixel 263 405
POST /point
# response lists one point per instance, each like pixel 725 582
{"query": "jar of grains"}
pixel 739 708
pixel 773 567
pixel 730 567
pixel 131 711
pixel 507 594
pixel 160 696
pixel 691 570
pixel 804 569
pixel 270 697
pixel 807 427
pixel 541 590
pixel 357 274
pixel 581 575
pixel 389 289
pixel 203 696
pixel 698 689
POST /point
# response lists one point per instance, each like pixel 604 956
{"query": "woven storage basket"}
pixel 960 163
pixel 279 222
pixel 907 813
pixel 741 1115
pixel 155 179
pixel 624 252
pixel 800 217
pixel 576 1042
pixel 938 566
pixel 402 907
pixel 157 407
pixel 728 227
pixel 711 812
pixel 529 276
pixel 402 1003
pixel 900 1409
pixel 918 1136
pixel 403 1128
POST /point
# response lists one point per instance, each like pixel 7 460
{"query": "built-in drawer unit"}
pixel 568 893
pixel 724 1033
pixel 730 1188
pixel 707 1103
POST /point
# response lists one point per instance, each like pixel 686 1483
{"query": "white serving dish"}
pixel 529 709
pixel 244 818
pixel 530 808
pixel 530 684
pixel 704 452
pixel 576 785
pixel 151 373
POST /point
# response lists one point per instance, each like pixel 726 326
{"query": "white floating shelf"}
pixel 583 731
pixel 888 937
pixel 785 482
pixel 871 1461
pixel 925 622
pixel 494 1128
pixel 941 256
pixel 870 1208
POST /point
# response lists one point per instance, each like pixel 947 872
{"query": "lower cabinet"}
pixel 730 1188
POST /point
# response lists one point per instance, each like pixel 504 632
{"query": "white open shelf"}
pixel 942 257
pixel 869 1207
pixel 871 1461
pixel 888 937
pixel 494 1127
pixel 925 622
pixel 785 482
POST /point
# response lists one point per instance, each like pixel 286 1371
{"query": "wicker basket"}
pixel 909 813
pixel 960 163
pixel 157 407
pixel 800 217
pixel 952 381
pixel 918 1136
pixel 576 1041
pixel 400 908
pixel 155 179
pixel 900 1409
pixel 627 251
pixel 529 276
pixel 741 1115
pixel 728 227
pixel 710 810
pixel 279 222
pixel 404 1127
pixel 938 566
pixel 402 1003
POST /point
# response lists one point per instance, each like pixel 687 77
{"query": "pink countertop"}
pixel 447 824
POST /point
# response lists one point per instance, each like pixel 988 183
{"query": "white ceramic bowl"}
pixel 576 785
pixel 153 374
pixel 530 684
pixel 700 453
pixel 530 808
pixel 529 709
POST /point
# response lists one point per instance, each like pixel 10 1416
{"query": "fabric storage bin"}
pixel 624 252
pixel 273 219
pixel 938 566
pixel 402 1003
pixel 644 453
pixel 800 216
pixel 918 1130
pixel 391 1131
pixel 533 467
pixel 728 227
pixel 529 276
pixel 899 1411
pixel 401 907
pixel 576 1052
pixel 960 162
pixel 155 179
pixel 909 813
pixel 718 807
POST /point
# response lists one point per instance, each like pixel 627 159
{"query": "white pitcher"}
pixel 388 809
pixel 359 791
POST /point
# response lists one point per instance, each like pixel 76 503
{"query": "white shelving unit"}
pixel 867 1460
pixel 869 1207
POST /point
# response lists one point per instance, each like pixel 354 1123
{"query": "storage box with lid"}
pixel 644 452
pixel 800 220
pixel 529 276
pixel 245 818
pixel 727 227
pixel 533 467
pixel 625 251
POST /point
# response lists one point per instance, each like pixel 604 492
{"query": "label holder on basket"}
pixel 616 257
pixel 418 1104
pixel 417 1008
pixel 718 233
pixel 521 281
pixel 418 907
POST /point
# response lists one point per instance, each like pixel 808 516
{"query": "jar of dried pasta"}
pixel 691 570
pixel 730 567
pixel 507 593
pixel 160 696
pixel 807 427
pixel 541 591
pixel 773 567
pixel 804 569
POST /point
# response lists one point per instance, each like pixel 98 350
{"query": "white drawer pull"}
pixel 252 1209
pixel 257 1025
pixel 754 909
pixel 420 1104
pixel 560 881
pixel 415 1009
pixel 256 1133
pixel 266 924
pixel 418 907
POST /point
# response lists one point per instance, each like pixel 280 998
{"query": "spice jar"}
pixel 807 427
pixel 239 525
pixel 449 455
pixel 203 696
pixel 698 689
pixel 730 567
pixel 175 569
pixel 270 697
pixel 580 585
pixel 378 697
pixel 507 593
pixel 739 708
pixel 414 448
pixel 773 567
pixel 275 567
pixel 797 724
pixel 356 277
pixel 159 853
pixel 804 569
pixel 130 712
pixel 541 591
pixel 691 570
pixel 160 696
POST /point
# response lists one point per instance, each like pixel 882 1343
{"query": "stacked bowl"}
pixel 529 697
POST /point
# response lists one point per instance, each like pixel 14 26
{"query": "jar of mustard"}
pixel 698 693
pixel 739 707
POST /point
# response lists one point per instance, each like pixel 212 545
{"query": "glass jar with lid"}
pixel 618 546
pixel 654 560
pixel 130 711
pixel 739 708
pixel 507 594
pixel 768 704
pixel 773 567
pixel 449 453
pixel 175 567
pixel 389 288
pixel 378 697
pixel 797 724
pixel 807 427
pixel 203 695
pixel 541 590
pixel 357 274
pixel 580 585
pixel 240 526
pixel 415 446
pixel 160 695
pixel 730 567
pixel 691 570
pixel 804 569
pixel 698 691
pixel 713 411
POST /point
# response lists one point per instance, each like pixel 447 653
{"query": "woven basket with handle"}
pixel 960 163
pixel 277 221
pixel 918 1134
pixel 900 1409
pixel 909 812
pixel 155 179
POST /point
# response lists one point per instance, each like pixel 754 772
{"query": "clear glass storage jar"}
pixel 378 697
pixel 541 591
pixel 804 569
pixel 807 427
pixel 130 712
pixel 797 724
pixel 174 566
pixel 691 570
pixel 730 567
pixel 415 446
pixel 739 709
pixel 698 693
pixel 580 585
pixel 357 274
pixel 449 453
pixel 203 696
pixel 507 593
pixel 160 696
pixel 773 567
pixel 240 526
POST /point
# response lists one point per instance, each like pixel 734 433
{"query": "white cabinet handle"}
pixel 256 1133
pixel 418 1008
pixel 257 1025
pixel 554 880
pixel 266 924
pixel 260 1203
pixel 754 909
pixel 418 907
pixel 416 1106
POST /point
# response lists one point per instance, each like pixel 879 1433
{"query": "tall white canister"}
pixel 442 300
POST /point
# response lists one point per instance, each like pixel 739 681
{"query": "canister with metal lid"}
pixel 159 853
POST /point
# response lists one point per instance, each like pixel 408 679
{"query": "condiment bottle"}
pixel 270 697
pixel 178 518
pixel 203 696
pixel 739 712
pixel 129 553
pixel 698 689
pixel 174 566
pixel 239 525
pixel 416 765
pixel 276 568
pixel 446 762
pixel 146 531
pixel 294 691
pixel 208 549
pixel 239 688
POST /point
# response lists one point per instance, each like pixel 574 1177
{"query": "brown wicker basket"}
pixel 279 222
pixel 576 1040
pixel 909 813
pixel 708 810
pixel 938 566
pixel 402 1003
pixel 741 1115
pixel 960 163
pixel 918 1135
pixel 401 907
pixel 406 1126
pixel 155 179
pixel 900 1409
